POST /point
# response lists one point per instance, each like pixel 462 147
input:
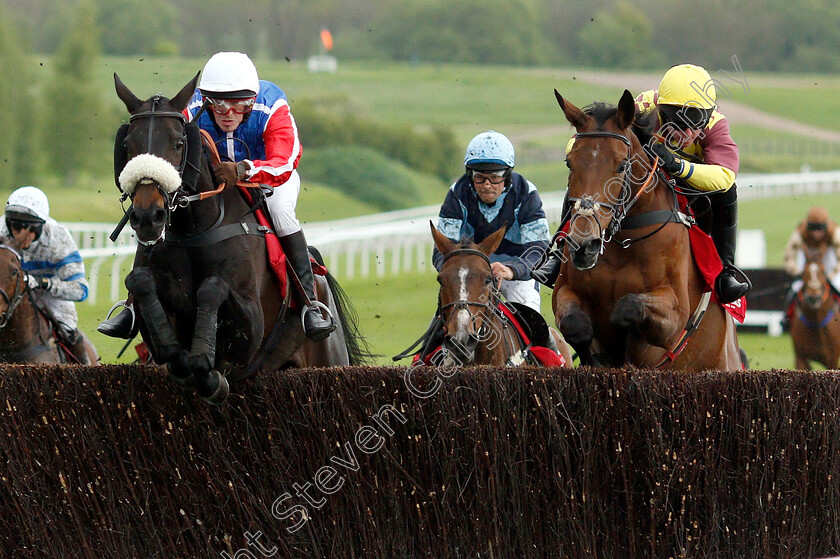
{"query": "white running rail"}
pixel 399 241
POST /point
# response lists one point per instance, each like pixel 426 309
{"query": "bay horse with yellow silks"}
pixel 212 309
pixel 815 326
pixel 629 290
pixel 27 332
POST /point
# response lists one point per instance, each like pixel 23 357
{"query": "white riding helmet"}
pixel 30 201
pixel 489 151
pixel 229 75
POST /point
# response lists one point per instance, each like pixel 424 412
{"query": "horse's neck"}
pixel 497 348
pixel 27 324
pixel 652 193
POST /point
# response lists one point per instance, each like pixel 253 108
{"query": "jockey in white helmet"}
pixel 49 256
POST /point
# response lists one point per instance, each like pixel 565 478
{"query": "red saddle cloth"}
pixel 276 256
pixel 708 261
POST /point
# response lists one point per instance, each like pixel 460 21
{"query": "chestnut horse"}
pixel 26 334
pixel 476 331
pixel 815 328
pixel 210 305
pixel 629 284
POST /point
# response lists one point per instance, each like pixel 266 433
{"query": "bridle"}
pixel 188 168
pixel 587 205
pixel 17 295
pixel 466 304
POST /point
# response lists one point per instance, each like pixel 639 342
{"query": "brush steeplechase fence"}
pixel 380 463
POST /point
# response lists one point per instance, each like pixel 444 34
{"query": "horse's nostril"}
pixel 159 216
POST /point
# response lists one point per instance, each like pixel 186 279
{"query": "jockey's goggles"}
pixel 685 118
pixel 19 224
pixel 816 226
pixel 225 106
pixel 494 177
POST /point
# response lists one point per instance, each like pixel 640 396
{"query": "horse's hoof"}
pixel 629 312
pixel 181 373
pixel 220 393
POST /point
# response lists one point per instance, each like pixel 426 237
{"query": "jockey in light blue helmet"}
pixel 490 151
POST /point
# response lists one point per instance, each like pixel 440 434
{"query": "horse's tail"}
pixel 358 349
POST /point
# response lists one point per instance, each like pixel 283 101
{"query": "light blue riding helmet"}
pixel 489 151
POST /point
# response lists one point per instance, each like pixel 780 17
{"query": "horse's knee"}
pixel 629 311
pixel 212 292
pixel 140 282
pixel 576 328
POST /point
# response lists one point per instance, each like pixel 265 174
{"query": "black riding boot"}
pixel 728 285
pixel 547 268
pixel 315 325
pixel 75 341
pixel 123 325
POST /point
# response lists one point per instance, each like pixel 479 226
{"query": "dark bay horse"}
pixel 476 331
pixel 628 283
pixel 815 328
pixel 210 305
pixel 26 334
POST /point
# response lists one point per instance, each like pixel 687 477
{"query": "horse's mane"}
pixel 643 127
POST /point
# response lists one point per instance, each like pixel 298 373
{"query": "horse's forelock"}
pixel 601 112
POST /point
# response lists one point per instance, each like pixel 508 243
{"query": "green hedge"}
pixel 528 463
pixel 365 175
pixel 332 123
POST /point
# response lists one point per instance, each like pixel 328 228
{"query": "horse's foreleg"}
pixel 574 323
pixel 209 384
pixel 653 315
pixel 141 283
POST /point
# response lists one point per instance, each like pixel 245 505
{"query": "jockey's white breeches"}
pixel 524 292
pixel 281 206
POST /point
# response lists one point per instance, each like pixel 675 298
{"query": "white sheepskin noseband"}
pixel 146 168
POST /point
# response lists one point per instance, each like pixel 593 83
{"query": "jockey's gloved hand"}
pixel 229 172
pixel 38 283
pixel 669 162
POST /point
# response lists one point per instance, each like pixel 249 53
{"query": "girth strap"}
pixel 654 218
pixel 218 234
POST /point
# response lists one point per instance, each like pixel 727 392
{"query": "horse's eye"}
pixel 488 280
pixel 179 143
pixel 567 164
pixel 622 166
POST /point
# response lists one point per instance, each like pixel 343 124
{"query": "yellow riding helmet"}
pixel 687 85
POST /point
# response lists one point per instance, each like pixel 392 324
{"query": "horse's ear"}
pixel 179 102
pixel 131 101
pixel 626 112
pixel 489 245
pixel 575 116
pixel 442 242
